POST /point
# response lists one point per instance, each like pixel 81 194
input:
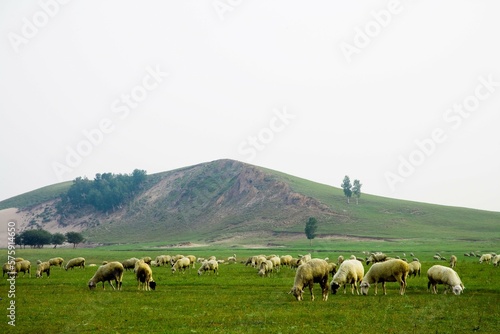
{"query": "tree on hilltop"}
pixel 356 190
pixel 346 186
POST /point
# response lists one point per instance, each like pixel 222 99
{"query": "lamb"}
pixel 453 261
pixel 485 258
pixel 394 270
pixel 211 265
pixel 376 257
pixel 76 262
pixel 438 274
pixel 56 261
pixel 313 271
pixel 415 268
pixel 496 260
pixel 43 267
pixel 181 264
pixel 108 272
pixel 350 272
pixel 144 276
pixel 266 268
pixel 130 263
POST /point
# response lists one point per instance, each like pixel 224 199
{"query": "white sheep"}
pixel 376 257
pixel 286 260
pixel 485 258
pixel 41 268
pixel 211 265
pixel 6 270
pixel 349 272
pixel 181 264
pixel 340 259
pixel 496 260
pixel 76 262
pixel 144 276
pixel 24 266
pixel 276 263
pixel 266 268
pixel 393 270
pixel 232 259
pixel 304 258
pixel 438 274
pixel 192 260
pixel 162 260
pixel 415 268
pixel 56 261
pixel 453 261
pixel 313 271
pixel 130 263
pixel 108 272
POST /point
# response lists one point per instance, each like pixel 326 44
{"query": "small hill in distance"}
pixel 230 202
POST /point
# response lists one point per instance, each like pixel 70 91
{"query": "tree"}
pixel 356 190
pixel 346 186
pixel 74 238
pixel 36 238
pixel 311 227
pixel 58 239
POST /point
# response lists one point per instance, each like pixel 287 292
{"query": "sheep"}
pixel 144 276
pixel 294 263
pixel 453 261
pixel 211 265
pixel 192 258
pixel 313 271
pixel 438 274
pixel 496 260
pixel 340 259
pixel 250 261
pixel 389 271
pixel 56 261
pixel 376 257
pixel 485 258
pixel 276 262
pixel 332 268
pixel 350 272
pixel 286 260
pixel 76 262
pixel 130 263
pixel 6 268
pixel 147 260
pixel 43 267
pixel 232 259
pixel 24 266
pixel 181 264
pixel 174 259
pixel 266 268
pixel 304 258
pixel 415 268
pixel 108 272
pixel 162 260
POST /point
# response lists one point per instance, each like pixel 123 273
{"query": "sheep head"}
pixel 364 288
pixel 297 292
pixel 457 289
pixel 334 287
pixel 152 285
pixel 92 285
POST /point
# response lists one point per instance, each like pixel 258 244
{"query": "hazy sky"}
pixel 402 95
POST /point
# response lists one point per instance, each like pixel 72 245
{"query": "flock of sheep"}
pixel 308 271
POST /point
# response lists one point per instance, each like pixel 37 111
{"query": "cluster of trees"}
pixel 106 192
pixel 40 237
pixel 351 189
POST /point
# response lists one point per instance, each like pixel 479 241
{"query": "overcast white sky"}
pixel 402 95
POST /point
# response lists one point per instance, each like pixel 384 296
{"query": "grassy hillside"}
pixel 231 202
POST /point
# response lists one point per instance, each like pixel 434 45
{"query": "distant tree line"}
pixel 106 192
pixel 40 237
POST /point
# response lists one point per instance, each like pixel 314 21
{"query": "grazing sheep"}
pixel 181 264
pixel 415 268
pixel 6 270
pixel 24 266
pixel 43 267
pixel 147 260
pixel 286 260
pixel 485 258
pixel 130 263
pixel 340 259
pixel 251 261
pixel 108 272
pixel 76 262
pixel 495 260
pixel 453 261
pixel 232 259
pixel 438 274
pixel 313 271
pixel 376 257
pixel 192 258
pixel 162 260
pixel 436 257
pixel 304 258
pixel 174 259
pixel 211 265
pixel 266 268
pixel 350 272
pixel 56 261
pixel 276 262
pixel 294 263
pixel 389 271
pixel 144 276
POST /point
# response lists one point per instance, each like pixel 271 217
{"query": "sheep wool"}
pixel 313 271
pixel 76 262
pixel 438 274
pixel 144 276
pixel 108 272
pixel 393 270
pixel 41 268
pixel 211 265
pixel 350 272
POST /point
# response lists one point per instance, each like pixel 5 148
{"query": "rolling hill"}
pixel 227 201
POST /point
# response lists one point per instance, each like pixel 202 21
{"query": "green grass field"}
pixel 239 301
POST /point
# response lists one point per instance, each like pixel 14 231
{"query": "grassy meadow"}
pixel 239 301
